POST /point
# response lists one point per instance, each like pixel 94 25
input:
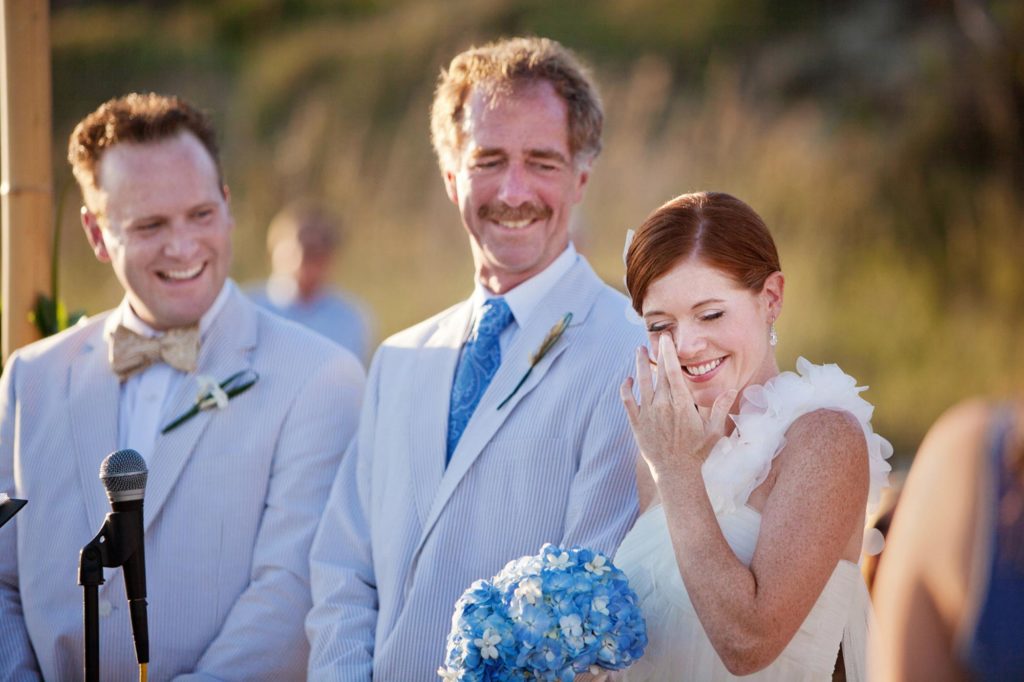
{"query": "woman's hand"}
pixel 602 676
pixel 666 424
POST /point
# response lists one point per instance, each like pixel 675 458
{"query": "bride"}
pixel 753 484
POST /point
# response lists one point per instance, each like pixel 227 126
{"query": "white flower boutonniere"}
pixel 547 344
pixel 212 394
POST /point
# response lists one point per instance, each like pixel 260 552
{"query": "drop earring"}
pixel 773 337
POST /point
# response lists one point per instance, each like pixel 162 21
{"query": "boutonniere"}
pixel 212 394
pixel 547 344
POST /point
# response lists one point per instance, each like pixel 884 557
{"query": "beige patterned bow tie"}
pixel 131 353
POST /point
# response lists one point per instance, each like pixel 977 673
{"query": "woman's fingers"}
pixel 669 373
pixel 720 412
pixel 668 362
pixel 665 419
pixel 590 677
pixel 644 380
pixel 629 402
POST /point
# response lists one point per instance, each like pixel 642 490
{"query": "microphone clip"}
pixel 111 547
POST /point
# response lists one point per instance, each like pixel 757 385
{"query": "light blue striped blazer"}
pixel 231 505
pixel 403 536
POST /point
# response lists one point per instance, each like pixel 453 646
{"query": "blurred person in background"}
pixel 303 241
pixel 234 494
pixel 493 427
pixel 949 596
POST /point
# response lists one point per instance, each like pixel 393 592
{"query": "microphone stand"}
pixel 90 577
pixel 109 548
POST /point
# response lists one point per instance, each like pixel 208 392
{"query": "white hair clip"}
pixel 630 313
pixel 629 240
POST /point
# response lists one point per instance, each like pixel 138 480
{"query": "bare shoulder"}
pixel 950 447
pixel 943 484
pixel 824 457
pixel 826 438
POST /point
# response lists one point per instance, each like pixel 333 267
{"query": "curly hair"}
pixel 135 118
pixel 500 66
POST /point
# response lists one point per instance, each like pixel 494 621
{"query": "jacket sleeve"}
pixel 342 624
pixel 602 503
pixel 17 660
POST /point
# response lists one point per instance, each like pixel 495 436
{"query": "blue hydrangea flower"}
pixel 545 617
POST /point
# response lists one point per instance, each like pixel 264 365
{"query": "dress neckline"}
pixel 740 462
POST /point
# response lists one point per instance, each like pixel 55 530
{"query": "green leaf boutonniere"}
pixel 212 394
pixel 547 344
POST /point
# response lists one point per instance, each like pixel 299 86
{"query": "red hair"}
pixel 714 227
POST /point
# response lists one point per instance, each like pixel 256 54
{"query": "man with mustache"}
pixel 494 426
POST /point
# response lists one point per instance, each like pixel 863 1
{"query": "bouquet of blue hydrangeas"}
pixel 545 617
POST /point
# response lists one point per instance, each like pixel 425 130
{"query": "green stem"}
pixel 516 389
pixel 231 393
pixel 180 420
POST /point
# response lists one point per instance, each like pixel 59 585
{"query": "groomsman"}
pixel 234 492
pixel 494 426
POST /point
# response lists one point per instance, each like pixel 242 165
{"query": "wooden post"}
pixel 26 192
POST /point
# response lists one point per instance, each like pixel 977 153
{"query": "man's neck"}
pixel 524 298
pixel 131 319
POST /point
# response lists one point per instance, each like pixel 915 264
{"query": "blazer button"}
pixel 105 608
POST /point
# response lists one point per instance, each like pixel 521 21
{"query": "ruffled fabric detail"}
pixel 740 462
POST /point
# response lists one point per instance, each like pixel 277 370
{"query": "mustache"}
pixel 497 211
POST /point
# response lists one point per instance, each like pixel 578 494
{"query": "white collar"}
pixel 523 299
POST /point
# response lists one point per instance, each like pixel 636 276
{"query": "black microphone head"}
pixel 124 475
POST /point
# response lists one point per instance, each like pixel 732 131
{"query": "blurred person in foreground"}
pixel 303 240
pixel 494 426
pixel 234 493
pixel 950 594
pixel 756 482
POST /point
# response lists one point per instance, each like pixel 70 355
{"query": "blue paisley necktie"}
pixel 479 361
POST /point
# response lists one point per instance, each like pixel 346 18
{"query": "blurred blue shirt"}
pixel 333 313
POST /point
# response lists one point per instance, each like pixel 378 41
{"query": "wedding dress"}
pixel 678 648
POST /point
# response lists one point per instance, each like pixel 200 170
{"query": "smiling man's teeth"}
pixel 515 224
pixel 698 370
pixel 183 274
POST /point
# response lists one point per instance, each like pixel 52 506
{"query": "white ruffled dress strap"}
pixel 740 462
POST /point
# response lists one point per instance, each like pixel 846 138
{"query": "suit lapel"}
pixel 224 351
pixel 94 399
pixel 428 427
pixel 573 293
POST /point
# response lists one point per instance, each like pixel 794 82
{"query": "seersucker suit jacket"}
pixel 232 502
pixel 403 536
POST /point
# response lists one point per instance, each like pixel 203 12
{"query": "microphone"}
pixel 124 475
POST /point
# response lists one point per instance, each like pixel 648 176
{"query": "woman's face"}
pixel 719 328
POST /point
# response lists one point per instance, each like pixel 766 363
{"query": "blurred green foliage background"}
pixel 882 141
